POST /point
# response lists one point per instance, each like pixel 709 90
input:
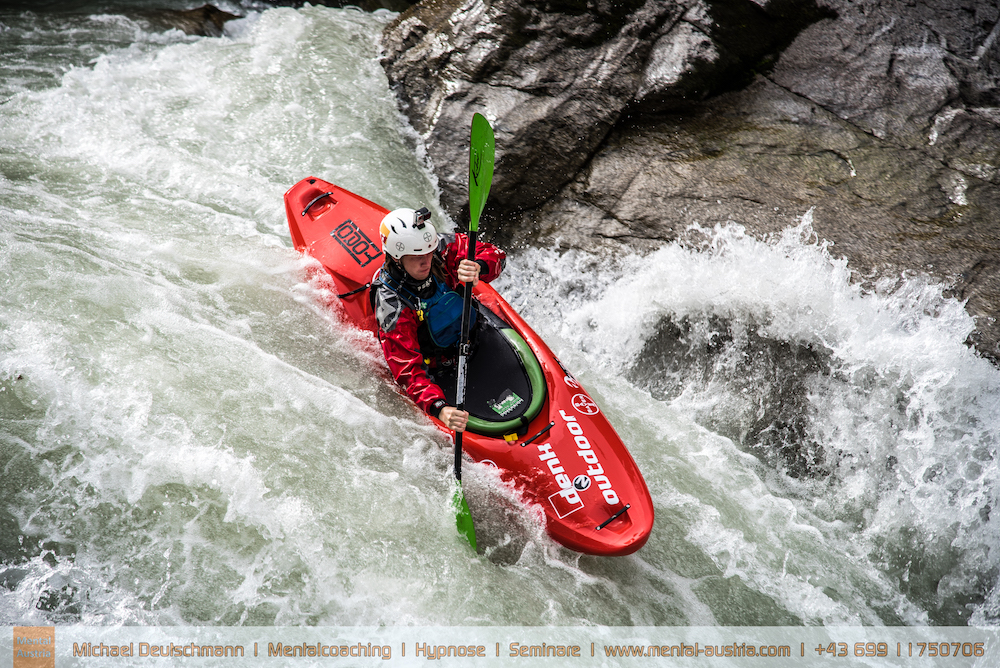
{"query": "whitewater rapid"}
pixel 189 435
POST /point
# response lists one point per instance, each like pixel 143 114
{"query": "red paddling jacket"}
pixel 410 350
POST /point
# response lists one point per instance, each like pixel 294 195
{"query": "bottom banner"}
pixel 264 647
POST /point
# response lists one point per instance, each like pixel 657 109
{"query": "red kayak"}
pixel 528 416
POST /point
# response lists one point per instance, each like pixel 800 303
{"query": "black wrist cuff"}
pixel 436 407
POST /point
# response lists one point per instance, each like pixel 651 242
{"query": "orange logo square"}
pixel 34 647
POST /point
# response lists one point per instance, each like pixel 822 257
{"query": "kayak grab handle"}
pixel 354 292
pixel 544 431
pixel 315 199
pixel 613 517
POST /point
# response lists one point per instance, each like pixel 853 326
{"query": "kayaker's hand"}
pixel 468 272
pixel 453 418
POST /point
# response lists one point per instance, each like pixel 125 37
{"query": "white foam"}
pixel 906 412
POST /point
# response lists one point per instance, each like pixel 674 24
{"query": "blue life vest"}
pixel 441 313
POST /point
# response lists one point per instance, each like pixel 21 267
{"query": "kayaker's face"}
pixel 417 266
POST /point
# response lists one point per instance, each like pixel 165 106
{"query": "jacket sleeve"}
pixel 402 354
pixel 491 257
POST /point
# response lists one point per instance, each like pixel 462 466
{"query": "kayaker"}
pixel 419 313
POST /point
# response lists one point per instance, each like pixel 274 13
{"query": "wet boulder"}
pixel 206 21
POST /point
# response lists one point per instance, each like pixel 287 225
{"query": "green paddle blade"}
pixel 481 153
pixel 463 516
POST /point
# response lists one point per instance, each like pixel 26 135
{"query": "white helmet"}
pixel 408 232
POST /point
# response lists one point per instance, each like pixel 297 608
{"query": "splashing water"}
pixel 864 410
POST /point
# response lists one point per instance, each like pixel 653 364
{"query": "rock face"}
pixel 536 68
pixel 555 77
pixel 624 123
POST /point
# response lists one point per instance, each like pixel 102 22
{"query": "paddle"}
pixel 481 151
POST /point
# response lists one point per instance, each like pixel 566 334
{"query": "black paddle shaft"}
pixel 463 354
